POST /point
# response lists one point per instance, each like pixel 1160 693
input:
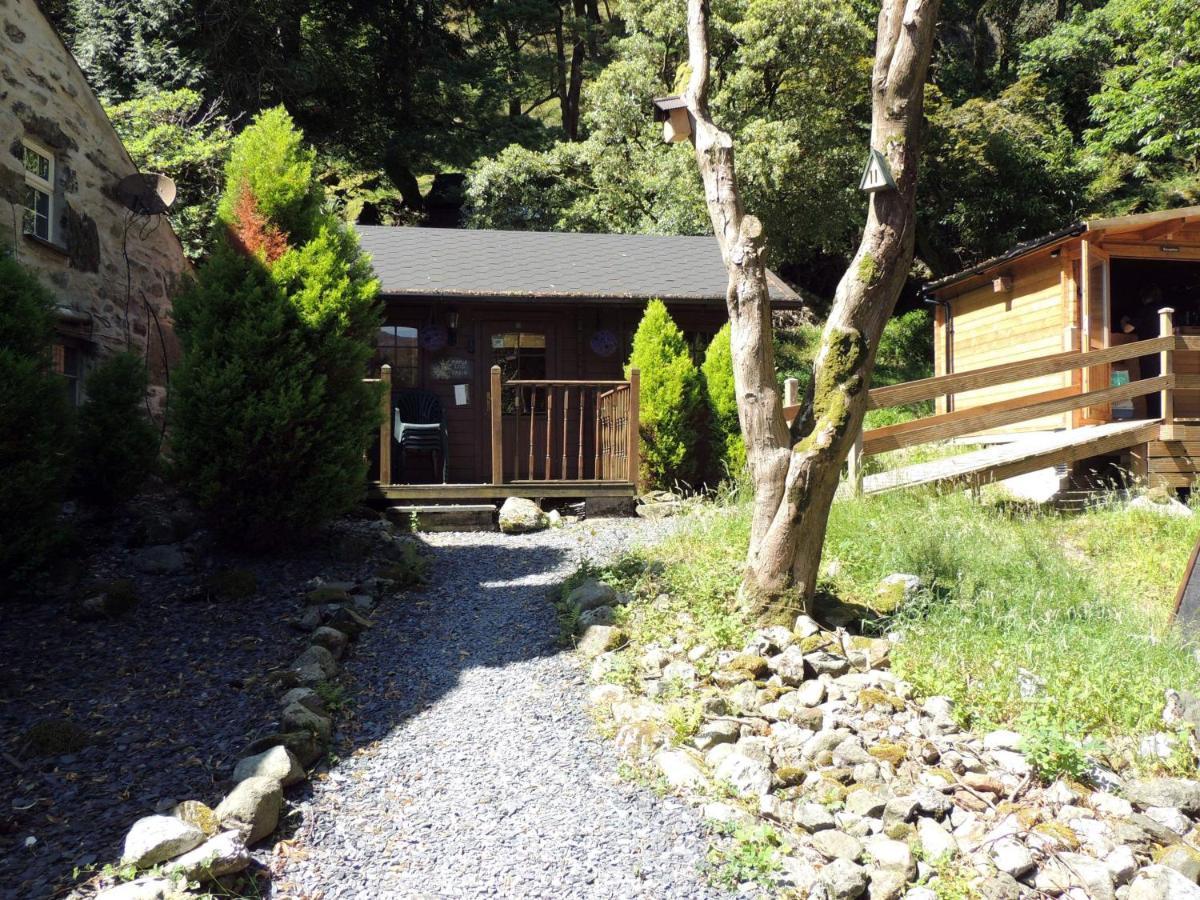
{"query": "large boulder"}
pixel 521 516
pixel 155 839
pixel 142 889
pixel 278 763
pixel 217 857
pixel 1162 883
pixel 1181 793
pixel 314 665
pixel 591 594
pixel 252 808
pixel 331 639
pixel 298 717
pixel 600 639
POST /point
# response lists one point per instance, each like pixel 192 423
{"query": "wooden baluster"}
pixel 516 469
pixel 1166 366
pixel 549 429
pixel 635 447
pixel 566 420
pixel 532 419
pixel 497 427
pixel 579 438
pixel 385 427
pixel 597 448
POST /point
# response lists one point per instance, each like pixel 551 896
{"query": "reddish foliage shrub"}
pixel 250 231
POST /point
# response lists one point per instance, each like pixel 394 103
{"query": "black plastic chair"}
pixel 420 427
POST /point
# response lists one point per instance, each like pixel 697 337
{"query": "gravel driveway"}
pixel 478 772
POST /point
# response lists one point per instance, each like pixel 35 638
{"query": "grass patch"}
pixel 1080 600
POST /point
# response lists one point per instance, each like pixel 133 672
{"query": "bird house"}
pixel 1002 284
pixel 677 121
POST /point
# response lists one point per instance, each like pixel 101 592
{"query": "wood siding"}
pixel 568 327
pixel 991 328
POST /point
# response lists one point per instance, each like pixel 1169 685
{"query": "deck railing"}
pixel 547 430
pixel 564 430
pixel 944 426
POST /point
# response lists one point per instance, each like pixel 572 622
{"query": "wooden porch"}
pixel 549 439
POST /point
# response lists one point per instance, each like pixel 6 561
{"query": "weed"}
pixel 685 720
pixel 333 696
pixel 753 854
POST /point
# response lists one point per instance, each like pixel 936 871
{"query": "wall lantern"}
pixel 677 121
pixel 452 326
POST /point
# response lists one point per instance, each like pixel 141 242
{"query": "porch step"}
pixel 445 517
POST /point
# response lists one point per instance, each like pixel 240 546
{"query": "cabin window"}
pixel 68 364
pixel 396 345
pixel 39 191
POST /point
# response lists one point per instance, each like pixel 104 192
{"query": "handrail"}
pixel 550 382
pixel 1006 373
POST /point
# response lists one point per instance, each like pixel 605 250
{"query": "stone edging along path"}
pixel 189 844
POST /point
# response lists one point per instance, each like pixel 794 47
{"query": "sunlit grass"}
pixel 1080 601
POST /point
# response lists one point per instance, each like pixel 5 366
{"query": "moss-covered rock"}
pixel 873 697
pixel 323 595
pixel 196 813
pixel 893 753
pixel 790 776
pixel 1059 832
pixel 753 665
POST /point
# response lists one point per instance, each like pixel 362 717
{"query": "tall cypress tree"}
pixel 272 413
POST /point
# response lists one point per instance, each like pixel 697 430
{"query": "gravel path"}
pixel 477 772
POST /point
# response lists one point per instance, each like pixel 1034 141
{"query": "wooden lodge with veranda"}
pixel 504 353
pixel 1079 348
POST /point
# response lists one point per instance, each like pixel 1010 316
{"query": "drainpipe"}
pixel 948 350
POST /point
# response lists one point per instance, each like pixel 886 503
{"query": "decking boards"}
pixel 1024 455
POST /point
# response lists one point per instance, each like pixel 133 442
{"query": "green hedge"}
pixel 117 444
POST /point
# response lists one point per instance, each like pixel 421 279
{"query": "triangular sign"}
pixel 877 176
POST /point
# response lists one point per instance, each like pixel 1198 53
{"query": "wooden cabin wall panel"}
pixel 992 328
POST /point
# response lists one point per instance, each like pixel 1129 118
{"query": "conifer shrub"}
pixel 728 448
pixel 117 444
pixel 670 402
pixel 34 426
pixel 272 415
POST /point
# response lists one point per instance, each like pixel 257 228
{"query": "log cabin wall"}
pixel 991 326
pixel 458 370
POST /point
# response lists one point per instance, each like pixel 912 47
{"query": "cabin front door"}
pixel 1095 283
pixel 524 350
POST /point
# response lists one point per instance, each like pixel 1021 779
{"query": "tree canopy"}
pixel 1040 111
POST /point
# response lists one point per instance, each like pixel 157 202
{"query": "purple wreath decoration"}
pixel 432 337
pixel 604 342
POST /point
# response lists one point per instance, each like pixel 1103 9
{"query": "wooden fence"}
pixel 988 416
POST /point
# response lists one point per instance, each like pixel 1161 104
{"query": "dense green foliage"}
pixel 1040 111
pixel 728 448
pixel 34 426
pixel 116 444
pixel 671 400
pixel 178 133
pixel 272 416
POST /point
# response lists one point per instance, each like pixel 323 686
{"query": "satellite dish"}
pixel 146 194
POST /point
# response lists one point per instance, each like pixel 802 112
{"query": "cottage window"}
pixel 39 190
pixel 67 363
pixel 520 355
pixel 397 346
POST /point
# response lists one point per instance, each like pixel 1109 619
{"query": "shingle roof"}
pixel 529 264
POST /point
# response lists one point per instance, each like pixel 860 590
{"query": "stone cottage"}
pixel 112 273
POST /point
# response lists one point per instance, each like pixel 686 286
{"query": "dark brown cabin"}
pixel 556 313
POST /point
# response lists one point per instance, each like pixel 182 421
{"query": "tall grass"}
pixel 1081 602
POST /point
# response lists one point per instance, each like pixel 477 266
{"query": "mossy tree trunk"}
pixel 796 472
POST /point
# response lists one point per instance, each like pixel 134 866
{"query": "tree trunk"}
pixel 795 477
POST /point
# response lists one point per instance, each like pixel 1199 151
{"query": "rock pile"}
pixel 877 794
pixel 191 842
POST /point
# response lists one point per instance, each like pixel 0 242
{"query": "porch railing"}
pixel 564 430
pixel 547 430
pixel 998 414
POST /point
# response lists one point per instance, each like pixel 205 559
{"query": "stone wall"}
pixel 105 304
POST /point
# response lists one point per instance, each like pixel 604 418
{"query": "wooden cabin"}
pixel 1093 286
pixel 549 317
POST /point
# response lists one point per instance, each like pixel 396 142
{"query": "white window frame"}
pixel 44 186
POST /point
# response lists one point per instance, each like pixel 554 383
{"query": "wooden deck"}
pixel 534 490
pixel 1017 458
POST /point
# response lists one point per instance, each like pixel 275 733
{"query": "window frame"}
pixel 67 351
pixel 381 357
pixel 44 186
